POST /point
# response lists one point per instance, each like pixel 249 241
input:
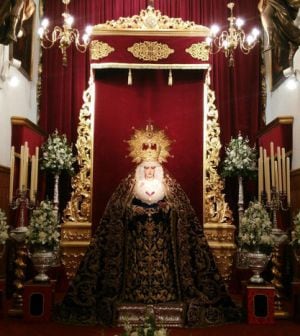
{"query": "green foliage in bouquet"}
pixel 57 154
pixel 296 232
pixel 43 226
pixel 255 232
pixel 3 227
pixel 240 158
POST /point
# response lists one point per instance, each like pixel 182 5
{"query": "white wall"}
pixel 18 101
pixel 286 102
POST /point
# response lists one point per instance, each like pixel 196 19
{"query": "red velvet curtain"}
pixel 237 89
pixel 178 109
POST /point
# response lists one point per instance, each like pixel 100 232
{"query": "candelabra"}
pixel 18 234
pixel 277 201
pixel 65 35
pixel 228 40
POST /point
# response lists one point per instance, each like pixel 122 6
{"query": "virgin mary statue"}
pixel 149 248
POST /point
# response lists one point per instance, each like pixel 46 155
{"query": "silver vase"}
pixel 42 260
pixel 257 262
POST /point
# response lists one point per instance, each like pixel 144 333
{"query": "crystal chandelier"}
pixel 65 35
pixel 228 40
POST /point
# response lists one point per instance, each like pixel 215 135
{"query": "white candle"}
pixel 272 164
pixel 268 189
pixel 279 170
pixel 260 178
pixel 288 181
pixel 31 191
pixel 267 175
pixel 21 169
pixel 284 176
pixel 276 175
pixel 12 173
pixel 26 157
pixel 36 169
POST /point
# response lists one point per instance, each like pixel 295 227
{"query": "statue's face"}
pixel 149 172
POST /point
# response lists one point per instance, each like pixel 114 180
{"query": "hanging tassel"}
pixel 129 77
pixel 170 79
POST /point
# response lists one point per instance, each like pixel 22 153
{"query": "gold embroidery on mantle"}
pixel 199 51
pixel 150 50
pixel 151 19
pixel 218 227
pixel 100 50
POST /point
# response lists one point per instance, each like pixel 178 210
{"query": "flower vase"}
pixel 257 262
pixel 42 259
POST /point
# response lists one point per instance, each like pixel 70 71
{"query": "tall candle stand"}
pixel 18 234
pixel 278 201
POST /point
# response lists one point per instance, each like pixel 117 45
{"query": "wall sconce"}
pixel 293 77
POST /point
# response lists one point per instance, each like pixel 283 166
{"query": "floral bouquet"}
pixel 43 226
pixel 240 159
pixel 256 229
pixel 3 228
pixel 148 328
pixel 57 154
pixel 296 233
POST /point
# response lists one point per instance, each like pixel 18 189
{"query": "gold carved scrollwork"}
pixel 79 207
pixel 151 19
pixel 100 50
pixel 218 226
pixel 199 51
pixel 150 50
pixel 76 227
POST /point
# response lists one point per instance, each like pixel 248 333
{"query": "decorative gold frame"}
pixel 76 227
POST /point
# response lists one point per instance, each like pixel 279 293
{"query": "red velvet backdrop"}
pixel 179 107
pixel 237 89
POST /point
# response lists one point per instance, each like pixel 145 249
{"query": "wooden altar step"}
pixel 166 314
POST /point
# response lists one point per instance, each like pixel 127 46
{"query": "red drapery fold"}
pixel 237 89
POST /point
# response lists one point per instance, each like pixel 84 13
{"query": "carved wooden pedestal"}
pixel 38 299
pixel 166 314
pixel 260 304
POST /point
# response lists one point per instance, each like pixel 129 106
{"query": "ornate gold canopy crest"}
pixel 149 144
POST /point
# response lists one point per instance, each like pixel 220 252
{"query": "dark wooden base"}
pixel 38 300
pixel 260 304
pixel 166 314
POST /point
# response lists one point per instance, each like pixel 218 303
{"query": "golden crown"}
pixel 149 144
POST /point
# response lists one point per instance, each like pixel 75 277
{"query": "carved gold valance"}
pixel 199 51
pixel 150 51
pixel 151 19
pixel 100 50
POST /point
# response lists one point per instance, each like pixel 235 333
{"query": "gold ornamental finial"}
pixel 149 144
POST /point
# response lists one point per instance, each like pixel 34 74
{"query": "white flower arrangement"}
pixel 240 158
pixel 296 232
pixel 43 226
pixel 149 328
pixel 3 228
pixel 57 154
pixel 255 232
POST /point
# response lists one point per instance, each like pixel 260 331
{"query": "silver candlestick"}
pixel 277 202
pixel 18 234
